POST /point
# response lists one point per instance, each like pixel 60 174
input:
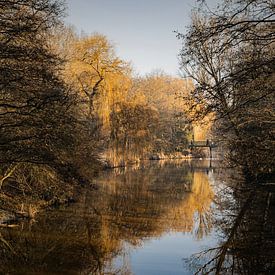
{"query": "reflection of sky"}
pixel 165 255
pixel 141 30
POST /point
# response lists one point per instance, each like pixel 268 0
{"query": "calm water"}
pixel 150 219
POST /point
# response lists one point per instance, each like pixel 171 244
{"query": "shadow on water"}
pixel 135 205
pixel 248 232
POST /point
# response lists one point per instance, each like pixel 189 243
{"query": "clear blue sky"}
pixel 142 30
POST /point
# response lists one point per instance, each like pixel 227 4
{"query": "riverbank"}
pixel 115 162
pixel 17 203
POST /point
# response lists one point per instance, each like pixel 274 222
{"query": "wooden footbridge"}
pixel 203 144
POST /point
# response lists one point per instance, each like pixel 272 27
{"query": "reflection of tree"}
pixel 162 200
pixel 130 205
pixel 249 246
pixel 194 213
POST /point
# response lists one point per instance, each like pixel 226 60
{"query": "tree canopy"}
pixel 230 55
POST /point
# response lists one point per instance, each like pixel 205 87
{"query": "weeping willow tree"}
pixel 133 128
pixel 98 74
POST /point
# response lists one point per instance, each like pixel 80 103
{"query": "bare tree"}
pixel 230 55
pixel 39 130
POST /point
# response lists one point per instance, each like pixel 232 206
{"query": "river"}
pixel 152 219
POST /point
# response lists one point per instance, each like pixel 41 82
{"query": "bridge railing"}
pixel 202 143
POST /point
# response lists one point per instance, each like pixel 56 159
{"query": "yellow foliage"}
pixel 162 92
pixel 201 129
pixel 99 76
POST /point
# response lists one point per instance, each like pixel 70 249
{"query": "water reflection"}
pixel 248 245
pixel 131 206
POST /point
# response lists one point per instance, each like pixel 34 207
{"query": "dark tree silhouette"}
pixel 230 55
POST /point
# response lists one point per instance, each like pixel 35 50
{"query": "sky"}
pixel 141 30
